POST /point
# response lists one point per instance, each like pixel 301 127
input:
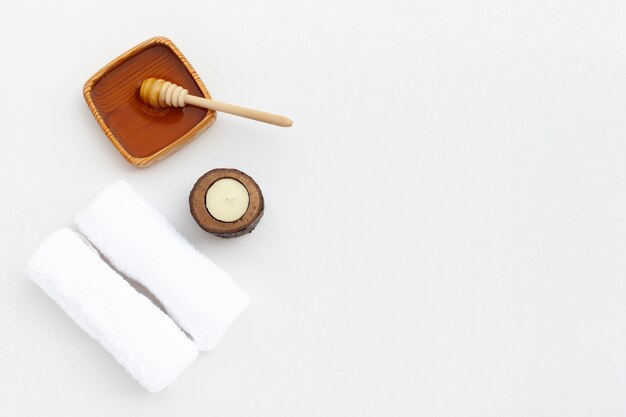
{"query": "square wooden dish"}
pixel 143 134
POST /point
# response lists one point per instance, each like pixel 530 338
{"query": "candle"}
pixel 226 202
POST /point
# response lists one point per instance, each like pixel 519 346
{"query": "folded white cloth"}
pixel 140 243
pixel 139 335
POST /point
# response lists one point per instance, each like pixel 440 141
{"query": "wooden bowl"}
pixel 143 134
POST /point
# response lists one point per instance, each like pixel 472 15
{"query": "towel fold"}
pixel 139 335
pixel 139 242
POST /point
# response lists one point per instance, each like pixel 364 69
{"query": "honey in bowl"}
pixel 144 134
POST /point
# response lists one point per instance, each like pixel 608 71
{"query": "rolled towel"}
pixel 142 244
pixel 138 335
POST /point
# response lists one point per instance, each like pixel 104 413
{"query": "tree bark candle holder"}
pixel 226 202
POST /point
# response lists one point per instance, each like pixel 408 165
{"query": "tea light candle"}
pixel 226 202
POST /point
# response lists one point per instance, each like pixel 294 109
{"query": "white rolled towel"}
pixel 139 335
pixel 140 243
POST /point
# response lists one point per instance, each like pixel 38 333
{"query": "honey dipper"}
pixel 161 93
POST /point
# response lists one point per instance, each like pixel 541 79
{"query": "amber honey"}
pixel 140 130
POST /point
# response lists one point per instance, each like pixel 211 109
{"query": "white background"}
pixel 445 224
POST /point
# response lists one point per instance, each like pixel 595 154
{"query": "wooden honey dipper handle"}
pixel 161 93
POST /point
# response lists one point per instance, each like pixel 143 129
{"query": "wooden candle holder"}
pixel 142 134
pixel 242 226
